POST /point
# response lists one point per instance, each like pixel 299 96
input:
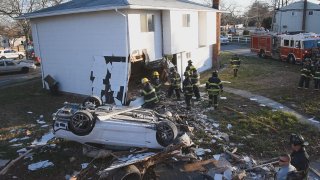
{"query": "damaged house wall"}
pixel 71 45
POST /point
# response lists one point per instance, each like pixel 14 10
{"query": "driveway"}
pixel 239 49
pixel 15 78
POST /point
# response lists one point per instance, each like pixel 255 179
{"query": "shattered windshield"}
pixel 311 44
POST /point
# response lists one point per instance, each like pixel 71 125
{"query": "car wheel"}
pixel 262 54
pixel 3 57
pixel 166 132
pixel 127 173
pixel 81 123
pixel 20 56
pixel 25 70
pixel 92 101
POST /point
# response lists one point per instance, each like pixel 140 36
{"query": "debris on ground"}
pixel 40 165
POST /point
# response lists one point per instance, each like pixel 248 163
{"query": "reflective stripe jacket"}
pixel 175 80
pixel 317 74
pixel 306 71
pixel 187 87
pixel 214 86
pixel 235 62
pixel 195 77
pixel 156 83
pixel 149 93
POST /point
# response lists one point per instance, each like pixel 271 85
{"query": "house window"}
pixel 186 20
pixel 147 22
pixel 286 43
pixel 310 13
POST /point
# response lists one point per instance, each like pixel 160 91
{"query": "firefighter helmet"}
pixel 155 73
pixel 144 80
pixel 215 73
pixel 297 139
pixel 189 62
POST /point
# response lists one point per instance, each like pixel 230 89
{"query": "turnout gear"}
pixel 187 90
pixel 195 79
pixel 316 78
pixel 305 75
pixel 155 81
pixel 175 84
pixel 149 94
pixel 297 139
pixel 300 160
pixel 190 66
pixel 235 64
pixel 214 88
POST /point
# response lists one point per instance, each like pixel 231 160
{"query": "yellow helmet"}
pixel 144 80
pixel 155 73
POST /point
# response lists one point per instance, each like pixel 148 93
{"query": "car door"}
pixel 11 66
pixel 2 67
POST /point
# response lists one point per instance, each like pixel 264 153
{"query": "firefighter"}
pixel 299 155
pixel 149 94
pixel 195 79
pixel 190 66
pixel 316 78
pixel 214 88
pixel 235 64
pixel 305 74
pixel 175 83
pixel 155 81
pixel 187 89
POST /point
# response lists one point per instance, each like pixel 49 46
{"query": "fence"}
pixel 240 39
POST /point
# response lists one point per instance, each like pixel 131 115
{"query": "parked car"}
pixel 224 40
pixel 113 126
pixel 11 54
pixel 9 65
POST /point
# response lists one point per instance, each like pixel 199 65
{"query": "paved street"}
pixel 243 50
pixel 13 78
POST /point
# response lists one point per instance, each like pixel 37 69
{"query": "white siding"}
pixel 152 41
pixel 207 28
pixel 67 45
pixel 166 27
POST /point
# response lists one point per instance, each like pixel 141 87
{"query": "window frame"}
pixel 186 20
pixel 147 22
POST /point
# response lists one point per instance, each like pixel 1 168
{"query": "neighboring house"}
pixel 85 44
pixel 4 42
pixel 290 18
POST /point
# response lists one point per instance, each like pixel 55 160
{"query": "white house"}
pixel 289 18
pixel 85 44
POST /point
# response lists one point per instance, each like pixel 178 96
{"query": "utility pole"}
pixel 304 17
pixel 216 47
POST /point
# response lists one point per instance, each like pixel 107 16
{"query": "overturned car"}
pixel 114 126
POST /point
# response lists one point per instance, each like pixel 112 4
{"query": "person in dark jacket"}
pixel 175 84
pixel 195 79
pixel 316 77
pixel 235 64
pixel 214 88
pixel 155 81
pixel 306 74
pixel 149 94
pixel 187 89
pixel 299 155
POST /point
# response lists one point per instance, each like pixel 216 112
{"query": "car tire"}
pixel 20 56
pixel 81 123
pixel 127 173
pixel 262 54
pixel 3 57
pixel 94 100
pixel 166 132
pixel 25 70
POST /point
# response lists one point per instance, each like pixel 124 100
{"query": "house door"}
pixel 181 63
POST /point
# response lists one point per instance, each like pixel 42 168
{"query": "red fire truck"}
pixel 287 47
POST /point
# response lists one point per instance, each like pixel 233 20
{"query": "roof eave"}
pixel 170 8
pixel 64 12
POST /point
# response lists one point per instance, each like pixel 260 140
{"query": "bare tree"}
pixel 15 8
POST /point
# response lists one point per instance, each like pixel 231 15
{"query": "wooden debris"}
pixel 199 165
pixel 240 176
pixel 234 156
pixel 5 169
